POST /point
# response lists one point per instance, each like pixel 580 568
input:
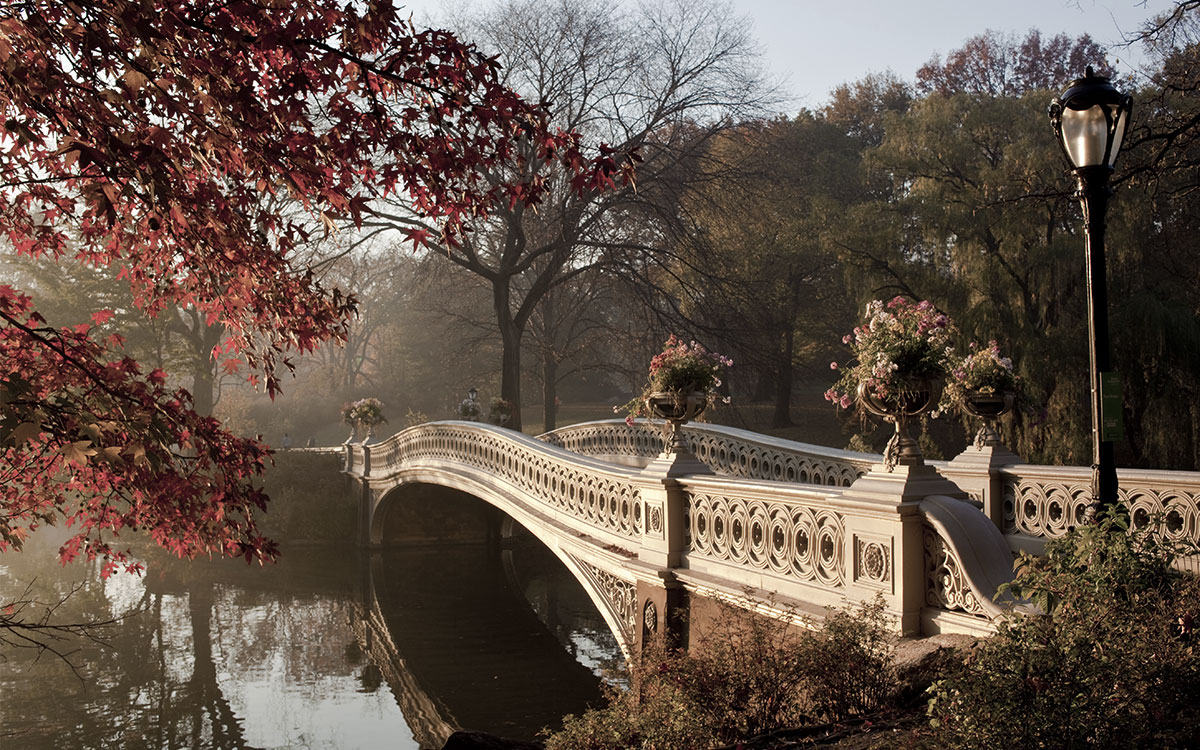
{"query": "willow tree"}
pixel 984 221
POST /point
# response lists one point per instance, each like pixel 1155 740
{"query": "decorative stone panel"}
pixel 945 586
pixel 619 595
pixel 785 538
pixel 655 523
pixel 873 562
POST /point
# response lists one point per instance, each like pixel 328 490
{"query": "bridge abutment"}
pixel 662 612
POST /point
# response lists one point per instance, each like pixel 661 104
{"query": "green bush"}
pixel 749 675
pixel 311 500
pixel 1110 661
pixel 859 442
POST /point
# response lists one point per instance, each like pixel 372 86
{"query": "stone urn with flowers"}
pixel 983 385
pixel 499 411
pixel 682 383
pixel 902 354
pixel 363 416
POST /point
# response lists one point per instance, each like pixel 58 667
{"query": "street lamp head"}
pixel 1090 120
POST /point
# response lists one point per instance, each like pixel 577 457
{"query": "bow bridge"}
pixel 787 528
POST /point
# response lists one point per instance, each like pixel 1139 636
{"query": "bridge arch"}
pixel 649 537
pixel 589 562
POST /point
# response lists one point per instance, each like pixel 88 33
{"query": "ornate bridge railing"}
pixel 725 450
pixel 1044 502
pixel 597 495
pixel 643 526
pixel 1029 503
pixel 744 530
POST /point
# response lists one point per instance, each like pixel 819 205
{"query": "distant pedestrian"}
pixel 287 441
pixel 310 443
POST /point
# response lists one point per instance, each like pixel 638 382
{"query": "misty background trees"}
pixel 762 236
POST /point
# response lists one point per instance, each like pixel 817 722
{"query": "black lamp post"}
pixel 1090 120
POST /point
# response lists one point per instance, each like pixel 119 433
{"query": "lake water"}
pixel 329 648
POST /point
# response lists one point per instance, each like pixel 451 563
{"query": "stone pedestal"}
pixel 977 471
pixel 663 501
pixel 885 548
pixel 662 603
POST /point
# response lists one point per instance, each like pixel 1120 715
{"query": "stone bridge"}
pixel 786 528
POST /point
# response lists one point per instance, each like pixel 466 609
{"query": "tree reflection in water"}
pixel 220 655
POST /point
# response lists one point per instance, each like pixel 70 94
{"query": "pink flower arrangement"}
pixel 681 368
pixel 983 371
pixel 899 347
pixel 366 411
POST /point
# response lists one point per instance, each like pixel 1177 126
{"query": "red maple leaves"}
pixel 89 439
pixel 173 139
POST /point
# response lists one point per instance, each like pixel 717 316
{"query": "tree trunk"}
pixel 202 388
pixel 783 382
pixel 510 363
pixel 549 390
pixel 1195 437
pixel 549 363
pixel 764 388
pixel 200 339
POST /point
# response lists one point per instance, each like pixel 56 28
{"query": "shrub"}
pixel 850 669
pixel 749 675
pixel 1111 660
pixel 859 442
pixel 499 411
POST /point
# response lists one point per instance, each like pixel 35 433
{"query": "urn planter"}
pixel 910 402
pixel 677 408
pixel 987 407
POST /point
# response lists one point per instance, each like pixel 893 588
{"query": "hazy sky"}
pixel 818 45
pixel 814 45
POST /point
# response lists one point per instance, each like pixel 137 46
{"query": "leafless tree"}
pixel 642 79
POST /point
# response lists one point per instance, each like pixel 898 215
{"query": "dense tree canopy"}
pixel 158 138
pixel 981 218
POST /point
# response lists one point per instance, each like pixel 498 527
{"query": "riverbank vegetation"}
pixel 748 675
pixel 1112 661
pixel 1109 658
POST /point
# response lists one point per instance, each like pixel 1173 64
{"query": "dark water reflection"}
pixel 327 649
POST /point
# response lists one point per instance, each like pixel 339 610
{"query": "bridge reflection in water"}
pixel 476 636
pixel 322 650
